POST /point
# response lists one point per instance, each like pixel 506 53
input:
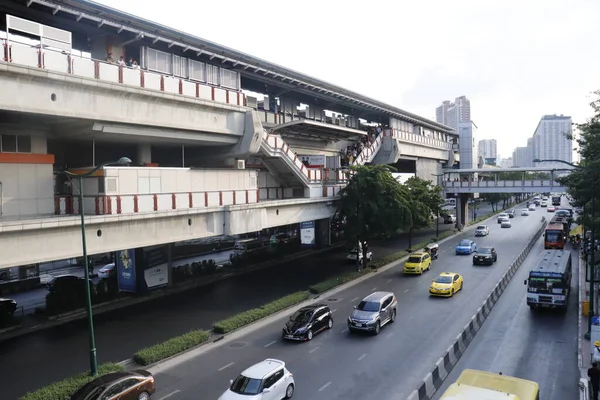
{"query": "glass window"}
pixel 244 385
pixel 414 259
pixel 229 78
pixel 180 66
pixel 301 316
pixel 271 380
pixel 24 144
pixel 197 71
pixel 369 306
pixel 159 61
pixel 9 143
pixel 212 74
pixel 443 279
pixel 484 250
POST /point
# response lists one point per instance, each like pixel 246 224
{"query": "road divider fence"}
pixel 442 368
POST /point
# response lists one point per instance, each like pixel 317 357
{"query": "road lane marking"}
pixel 374 289
pixel 345 330
pixel 325 386
pixel 226 366
pixel 270 344
pixel 389 335
pixel 315 349
pixel 334 310
pixel 361 357
pixel 406 290
pixel 354 299
pixel 388 281
pixel 170 394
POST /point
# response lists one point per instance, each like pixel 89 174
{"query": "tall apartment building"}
pixel 453 114
pixel 549 141
pixel 488 149
pixel 506 162
pixel 520 157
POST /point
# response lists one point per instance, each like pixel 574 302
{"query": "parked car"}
pixel 511 213
pixel 64 282
pixel 482 230
pixel 524 212
pixel 373 312
pixel 446 284
pixel 307 322
pixel 109 270
pixel 7 307
pixel 353 254
pixel 280 238
pixel 485 256
pixel 266 380
pixel 449 219
pixel 134 385
pixel 501 216
pixel 466 246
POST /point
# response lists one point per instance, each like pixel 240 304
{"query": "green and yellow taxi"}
pixel 446 284
pixel 417 263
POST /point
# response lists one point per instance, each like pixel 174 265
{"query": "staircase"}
pixel 368 153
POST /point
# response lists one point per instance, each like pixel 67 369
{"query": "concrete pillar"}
pixel 144 153
pixel 322 234
pixel 462 210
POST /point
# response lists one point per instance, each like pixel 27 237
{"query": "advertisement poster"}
pixel 312 161
pixel 156 266
pixel 126 270
pixel 307 234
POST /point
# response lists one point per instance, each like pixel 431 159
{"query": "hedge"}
pixel 63 390
pixel 250 316
pixel 171 347
pixel 336 281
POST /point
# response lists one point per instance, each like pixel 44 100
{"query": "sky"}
pixel 515 60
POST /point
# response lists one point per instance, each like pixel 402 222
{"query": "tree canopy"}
pixel 375 204
pixel 583 183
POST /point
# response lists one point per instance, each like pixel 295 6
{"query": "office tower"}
pixel 550 140
pixel 453 114
pixel 488 150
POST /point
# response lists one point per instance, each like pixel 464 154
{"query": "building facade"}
pixel 488 149
pixel 454 113
pixel 520 157
pixel 467 136
pixel 551 140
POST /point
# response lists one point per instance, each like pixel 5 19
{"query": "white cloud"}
pixel 515 60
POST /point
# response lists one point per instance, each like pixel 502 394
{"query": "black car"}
pixel 307 322
pixel 61 283
pixel 7 307
pixel 511 213
pixel 485 256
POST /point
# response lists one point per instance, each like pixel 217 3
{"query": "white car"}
pixel 505 223
pixel 532 207
pixel 482 230
pixel 524 212
pixel 352 256
pixel 502 216
pixel 544 203
pixel 267 380
pixel 107 271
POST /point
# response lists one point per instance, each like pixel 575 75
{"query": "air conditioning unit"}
pixel 240 164
pixel 251 102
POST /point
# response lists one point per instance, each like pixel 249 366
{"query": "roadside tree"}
pixel 426 202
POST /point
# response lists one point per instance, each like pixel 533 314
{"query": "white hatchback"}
pixel 505 223
pixel 524 212
pixel 267 380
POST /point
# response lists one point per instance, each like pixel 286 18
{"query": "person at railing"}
pixel 122 62
pixel 109 58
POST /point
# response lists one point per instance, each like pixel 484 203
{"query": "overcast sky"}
pixel 515 60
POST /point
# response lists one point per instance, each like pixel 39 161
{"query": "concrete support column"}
pixel 462 210
pixel 144 153
pixel 322 235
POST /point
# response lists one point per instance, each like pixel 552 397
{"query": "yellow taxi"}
pixel 446 284
pixel 417 263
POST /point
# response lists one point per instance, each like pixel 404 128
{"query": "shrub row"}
pixel 250 316
pixel 63 390
pixel 335 281
pixel 171 347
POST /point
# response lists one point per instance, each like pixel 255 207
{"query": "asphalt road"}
pixel 540 346
pixel 38 359
pixel 339 365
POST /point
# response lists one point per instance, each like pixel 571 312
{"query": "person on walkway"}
pixel 594 375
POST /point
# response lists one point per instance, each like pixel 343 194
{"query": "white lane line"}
pixel 388 281
pixel 406 291
pixel 389 335
pixel 345 330
pixel 374 289
pixel 354 299
pixel 270 344
pixel 315 349
pixel 325 386
pixel 334 310
pixel 170 394
pixel 226 366
pixel 361 357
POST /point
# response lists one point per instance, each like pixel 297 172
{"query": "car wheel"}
pixel 393 318
pixel 377 328
pixel 350 330
pixel 461 285
pixel 289 391
pixel 421 271
pixel 309 335
pixel 371 257
pixel 143 396
pixel 452 293
pixel 330 323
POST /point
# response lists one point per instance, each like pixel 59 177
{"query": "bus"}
pixel 549 284
pixel 479 385
pixel 554 237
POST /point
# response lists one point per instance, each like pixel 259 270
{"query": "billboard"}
pixel 126 276
pixel 312 161
pixel 155 266
pixel 307 233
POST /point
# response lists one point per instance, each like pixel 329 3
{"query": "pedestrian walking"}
pixel 594 375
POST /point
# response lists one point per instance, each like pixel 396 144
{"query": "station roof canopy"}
pixel 306 128
pixel 492 170
pixel 245 64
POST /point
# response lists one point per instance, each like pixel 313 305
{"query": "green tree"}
pixel 582 184
pixel 374 204
pixel 426 202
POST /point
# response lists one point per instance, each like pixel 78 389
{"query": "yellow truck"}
pixel 481 385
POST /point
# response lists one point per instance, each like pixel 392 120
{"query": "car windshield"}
pixel 505 222
pixel 553 236
pixel 482 227
pixel 464 243
pixel 414 259
pixel 371 306
pixel 89 391
pixel 443 279
pixel 245 385
pixel 301 315
pixel 484 250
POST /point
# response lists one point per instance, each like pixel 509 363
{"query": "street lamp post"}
pixel 592 246
pixel 86 271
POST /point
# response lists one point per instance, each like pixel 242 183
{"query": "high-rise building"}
pixel 453 114
pixel 550 141
pixel 520 157
pixel 488 150
pixel 506 162
pixel 467 144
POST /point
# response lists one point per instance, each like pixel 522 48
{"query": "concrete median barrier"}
pixel 442 368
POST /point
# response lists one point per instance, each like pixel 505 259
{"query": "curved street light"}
pixel 593 245
pixel 86 271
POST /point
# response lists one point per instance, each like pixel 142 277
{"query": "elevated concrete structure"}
pixel 486 186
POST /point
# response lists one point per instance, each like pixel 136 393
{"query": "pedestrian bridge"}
pixel 496 186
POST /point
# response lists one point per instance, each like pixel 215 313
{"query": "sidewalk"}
pixel 584 353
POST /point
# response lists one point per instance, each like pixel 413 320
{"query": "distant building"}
pixel 467 144
pixel 488 149
pixel 550 140
pixel 506 162
pixel 520 157
pixel 453 114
